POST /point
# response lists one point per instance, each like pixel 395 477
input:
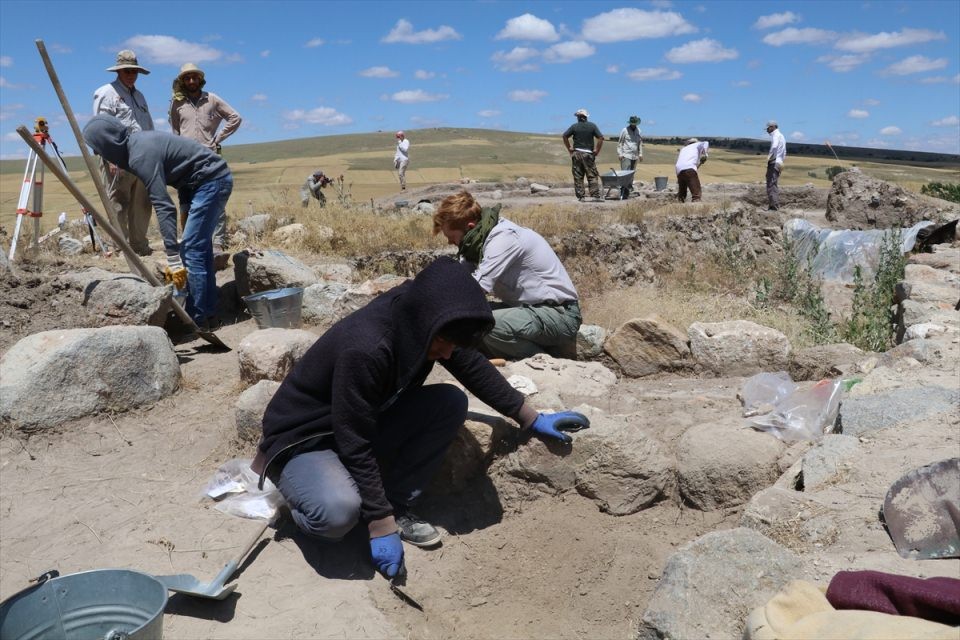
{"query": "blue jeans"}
pixel 204 205
pixel 413 436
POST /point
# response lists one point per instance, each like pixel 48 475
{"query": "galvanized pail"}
pixel 660 182
pixel 105 604
pixel 278 308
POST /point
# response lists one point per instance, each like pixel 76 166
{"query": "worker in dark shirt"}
pixel 583 155
pixel 353 435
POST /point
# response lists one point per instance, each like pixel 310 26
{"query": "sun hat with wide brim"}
pixel 633 120
pixel 190 68
pixel 127 59
pixel 581 112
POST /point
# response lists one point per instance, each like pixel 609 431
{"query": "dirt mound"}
pixel 857 201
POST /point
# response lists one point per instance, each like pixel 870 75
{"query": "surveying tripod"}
pixel 33 180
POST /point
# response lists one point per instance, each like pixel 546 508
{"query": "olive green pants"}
pixel 521 332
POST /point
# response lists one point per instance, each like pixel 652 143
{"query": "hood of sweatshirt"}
pixel 108 138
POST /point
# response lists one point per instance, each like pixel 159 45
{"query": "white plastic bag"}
pixel 234 486
pixel 806 414
pixel 762 392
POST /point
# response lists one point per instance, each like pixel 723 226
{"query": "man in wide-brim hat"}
pixel 122 100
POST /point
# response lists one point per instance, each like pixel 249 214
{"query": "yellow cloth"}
pixel 800 611
pixel 177 276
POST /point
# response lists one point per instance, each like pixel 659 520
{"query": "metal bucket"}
pixel 277 308
pixel 106 604
pixel 660 182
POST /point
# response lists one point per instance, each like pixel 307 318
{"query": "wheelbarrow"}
pixel 619 180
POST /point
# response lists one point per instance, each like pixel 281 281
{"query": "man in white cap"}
pixel 691 156
pixel 197 114
pixel 129 197
pixel 402 158
pixel 778 152
pixel 583 155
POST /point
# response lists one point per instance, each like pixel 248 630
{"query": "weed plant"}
pixel 870 325
pixel 943 190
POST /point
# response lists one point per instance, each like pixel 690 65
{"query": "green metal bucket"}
pixel 105 604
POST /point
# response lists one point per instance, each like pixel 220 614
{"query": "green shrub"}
pixel 833 171
pixel 943 190
pixel 870 325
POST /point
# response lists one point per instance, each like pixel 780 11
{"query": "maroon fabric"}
pixel 935 599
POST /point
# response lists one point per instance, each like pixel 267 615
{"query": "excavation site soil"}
pixel 125 490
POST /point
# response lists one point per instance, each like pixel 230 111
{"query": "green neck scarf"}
pixel 471 247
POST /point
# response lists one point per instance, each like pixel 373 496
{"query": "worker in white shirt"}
pixel 691 156
pixel 402 158
pixel 778 152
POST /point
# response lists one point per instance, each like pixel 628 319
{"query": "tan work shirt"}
pixel 200 121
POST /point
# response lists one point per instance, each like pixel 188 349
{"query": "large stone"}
pixel 738 347
pixel 339 272
pixel 943 257
pixel 857 201
pixel 255 226
pixel 710 585
pixel 863 414
pixel 120 299
pixel 55 376
pixel 290 235
pixel 270 354
pixel 825 360
pixel 359 296
pixel 827 459
pixel 917 272
pixel 646 346
pixel 725 463
pixel 250 407
pixel 472 451
pixel 267 270
pixel 920 349
pixel 791 518
pixel 569 378
pixel 321 301
pixel 943 295
pixel 615 463
pixel 590 339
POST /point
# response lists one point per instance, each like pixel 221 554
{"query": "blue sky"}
pixel 874 73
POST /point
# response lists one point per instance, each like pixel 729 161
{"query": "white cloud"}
pixel 161 124
pixel 403 32
pixel 799 136
pixel 568 51
pixel 741 83
pixel 941 80
pixel 613 68
pixel 415 96
pixel 792 35
pixel 313 43
pixel 488 113
pixel 265 53
pixel 949 121
pixel 326 116
pixel 528 27
pixel 776 20
pixel 527 95
pixel 421 74
pixel 866 43
pixel 378 72
pixel 915 64
pixel 5 84
pixel 871 102
pixel 259 97
pixel 654 73
pixel 517 59
pixel 844 63
pixel 6 61
pixel 692 97
pixel 858 113
pixel 705 50
pixel 60 48
pixel 890 131
pixel 170 50
pixel 621 25
pixel 10 111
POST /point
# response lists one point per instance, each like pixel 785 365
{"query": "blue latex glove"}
pixel 553 425
pixel 387 553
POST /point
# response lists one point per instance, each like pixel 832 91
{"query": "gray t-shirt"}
pixel 583 135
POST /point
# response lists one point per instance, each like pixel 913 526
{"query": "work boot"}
pixel 416 530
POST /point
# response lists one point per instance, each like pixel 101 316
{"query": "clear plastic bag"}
pixel 806 414
pixel 761 393
pixel 234 487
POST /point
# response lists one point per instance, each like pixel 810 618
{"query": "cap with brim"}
pixel 581 112
pixel 190 68
pixel 127 59
pixel 399 134
pixel 633 120
pixel 692 141
pixel 771 123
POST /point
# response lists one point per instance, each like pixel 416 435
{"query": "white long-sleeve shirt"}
pixel 519 267
pixel 403 151
pixel 127 105
pixel 778 148
pixel 689 157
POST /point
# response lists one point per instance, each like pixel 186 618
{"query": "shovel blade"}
pixel 922 511
pixel 189 586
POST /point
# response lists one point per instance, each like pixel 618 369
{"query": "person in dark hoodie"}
pixel 353 434
pixel 203 183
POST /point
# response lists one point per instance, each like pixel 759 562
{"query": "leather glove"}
pixel 553 425
pixel 387 554
pixel 175 273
